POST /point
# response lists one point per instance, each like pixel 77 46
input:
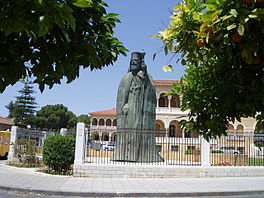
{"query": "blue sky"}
pixel 96 90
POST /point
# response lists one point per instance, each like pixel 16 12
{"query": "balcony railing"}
pixel 172 110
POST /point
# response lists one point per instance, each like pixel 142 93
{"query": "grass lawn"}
pixel 256 161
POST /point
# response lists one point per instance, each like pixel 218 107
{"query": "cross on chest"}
pixel 135 88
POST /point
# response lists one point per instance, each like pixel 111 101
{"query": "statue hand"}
pixel 125 109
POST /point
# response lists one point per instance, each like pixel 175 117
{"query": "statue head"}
pixel 136 61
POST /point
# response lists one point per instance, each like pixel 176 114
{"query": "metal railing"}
pixel 33 134
pixel 238 149
pixel 235 149
pixel 147 147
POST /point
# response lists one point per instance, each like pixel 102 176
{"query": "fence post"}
pixel 13 139
pixel 205 153
pixel 79 144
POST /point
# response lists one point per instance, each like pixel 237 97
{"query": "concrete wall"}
pixel 155 171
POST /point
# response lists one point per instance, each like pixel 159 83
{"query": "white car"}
pixel 109 146
pixel 226 149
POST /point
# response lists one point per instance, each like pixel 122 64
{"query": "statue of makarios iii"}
pixel 136 113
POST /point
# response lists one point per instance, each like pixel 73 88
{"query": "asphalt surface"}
pixel 10 194
pixel 27 180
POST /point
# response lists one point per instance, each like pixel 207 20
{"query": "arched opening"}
pixel 157 127
pixel 113 137
pixel 172 130
pixel 178 130
pixel 163 100
pixel 96 136
pixel 160 129
pixel 101 122
pixel 114 122
pixel 191 134
pixel 94 122
pixel 230 128
pixel 108 122
pixel 105 137
pixel 175 101
pixel 240 128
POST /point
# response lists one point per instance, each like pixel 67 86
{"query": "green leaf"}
pixel 253 16
pixel 227 17
pixel 211 7
pixel 230 27
pixel 240 30
pixel 167 68
pixel 166 50
pixel 41 18
pixel 244 53
pixel 111 15
pixel 206 17
pixel 67 14
pixel 249 59
pixel 83 3
pixel 196 16
pixel 207 37
pixel 233 12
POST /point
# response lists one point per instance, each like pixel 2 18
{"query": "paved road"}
pixel 27 180
pixel 8 194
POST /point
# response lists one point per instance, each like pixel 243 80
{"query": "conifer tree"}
pixel 11 109
pixel 25 105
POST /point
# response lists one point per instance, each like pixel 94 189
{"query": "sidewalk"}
pixel 27 180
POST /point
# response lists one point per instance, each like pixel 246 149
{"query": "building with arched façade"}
pixel 168 117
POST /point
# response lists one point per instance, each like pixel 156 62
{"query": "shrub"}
pixel 58 152
pixel 259 144
pixel 216 151
pixel 192 152
pixel 25 150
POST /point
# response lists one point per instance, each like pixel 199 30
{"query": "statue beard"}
pixel 135 67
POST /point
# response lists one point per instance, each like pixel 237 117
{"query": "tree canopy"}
pixel 50 40
pixel 54 117
pixel 221 43
pixel 85 119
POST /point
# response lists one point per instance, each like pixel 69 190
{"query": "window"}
pixel 163 100
pixel 175 101
pixel 175 148
pixel 101 122
pixel 94 123
pixel 172 130
pixel 96 136
pixel 108 122
pixel 105 137
pixel 190 147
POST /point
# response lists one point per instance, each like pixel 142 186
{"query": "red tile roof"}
pixel 165 81
pixel 105 112
pixel 8 121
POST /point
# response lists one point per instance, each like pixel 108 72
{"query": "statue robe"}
pixel 136 113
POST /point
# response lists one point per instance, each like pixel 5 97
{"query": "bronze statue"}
pixel 136 113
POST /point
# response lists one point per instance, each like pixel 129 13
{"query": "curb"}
pixel 133 194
